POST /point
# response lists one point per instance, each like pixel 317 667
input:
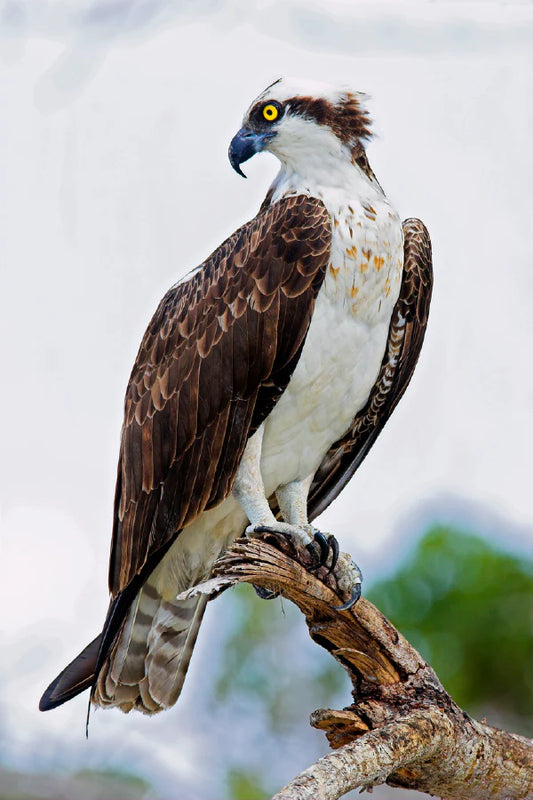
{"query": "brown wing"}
pixel 217 355
pixel 406 334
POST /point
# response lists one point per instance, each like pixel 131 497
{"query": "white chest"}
pixel 346 341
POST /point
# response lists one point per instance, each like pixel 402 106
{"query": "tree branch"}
pixel 402 728
pixel 368 760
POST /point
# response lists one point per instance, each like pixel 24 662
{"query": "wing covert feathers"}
pixel 216 356
pixel 406 335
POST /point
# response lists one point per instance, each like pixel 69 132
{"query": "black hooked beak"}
pixel 245 144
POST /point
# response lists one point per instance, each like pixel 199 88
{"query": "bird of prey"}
pixel 261 383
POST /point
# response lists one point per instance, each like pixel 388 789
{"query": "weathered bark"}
pixel 402 728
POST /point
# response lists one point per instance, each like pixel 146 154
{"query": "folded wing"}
pixel 217 355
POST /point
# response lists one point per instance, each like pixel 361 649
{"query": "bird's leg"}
pixel 249 490
pixel 292 501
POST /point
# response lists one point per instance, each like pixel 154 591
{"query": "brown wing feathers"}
pixel 215 358
pixel 406 334
pixel 217 354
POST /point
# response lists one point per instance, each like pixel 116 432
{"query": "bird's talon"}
pixel 323 553
pixel 356 594
pixel 265 594
pixel 334 547
pixel 265 529
pixel 324 547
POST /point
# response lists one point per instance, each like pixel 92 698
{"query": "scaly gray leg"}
pixel 292 499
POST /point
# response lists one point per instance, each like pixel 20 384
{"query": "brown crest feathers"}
pixel 348 120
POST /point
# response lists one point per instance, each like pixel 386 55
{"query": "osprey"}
pixel 263 379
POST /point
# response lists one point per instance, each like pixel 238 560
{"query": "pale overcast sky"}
pixel 116 119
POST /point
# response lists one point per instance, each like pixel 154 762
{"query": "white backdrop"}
pixel 114 182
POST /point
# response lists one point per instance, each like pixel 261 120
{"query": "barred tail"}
pixel 141 658
pixel 146 666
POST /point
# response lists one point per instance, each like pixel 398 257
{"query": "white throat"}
pixel 337 182
pixel 316 163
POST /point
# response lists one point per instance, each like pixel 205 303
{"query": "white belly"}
pixel 344 348
pixel 333 379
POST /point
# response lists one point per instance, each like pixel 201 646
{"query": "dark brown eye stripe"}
pixel 348 121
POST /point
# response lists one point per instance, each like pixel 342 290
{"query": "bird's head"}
pixel 302 123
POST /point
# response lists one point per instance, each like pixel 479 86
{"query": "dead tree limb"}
pixel 403 728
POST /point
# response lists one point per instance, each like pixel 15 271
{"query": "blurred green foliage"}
pixel 467 606
pixel 245 786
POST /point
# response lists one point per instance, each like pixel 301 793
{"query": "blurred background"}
pixel 115 121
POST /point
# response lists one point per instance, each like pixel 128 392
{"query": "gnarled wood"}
pixel 402 728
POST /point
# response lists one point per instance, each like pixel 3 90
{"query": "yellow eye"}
pixel 270 112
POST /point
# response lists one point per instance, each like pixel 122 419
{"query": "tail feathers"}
pixel 146 667
pixel 76 677
pixel 141 658
pixel 171 642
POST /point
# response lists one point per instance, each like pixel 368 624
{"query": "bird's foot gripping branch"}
pixel 321 556
pixel 402 727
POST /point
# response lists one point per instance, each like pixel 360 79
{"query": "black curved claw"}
pixel 322 542
pixel 356 594
pixel 266 529
pixel 265 594
pixel 334 546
